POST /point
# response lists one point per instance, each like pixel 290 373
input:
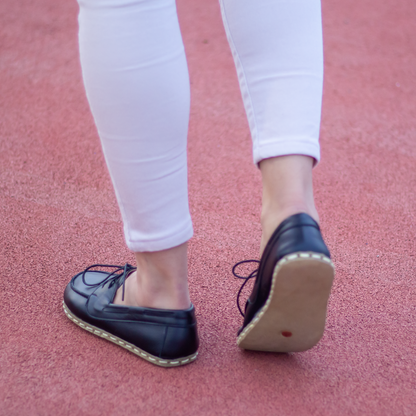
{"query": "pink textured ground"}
pixel 58 215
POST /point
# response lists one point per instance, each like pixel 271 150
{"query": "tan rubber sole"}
pixel 130 347
pixel 293 318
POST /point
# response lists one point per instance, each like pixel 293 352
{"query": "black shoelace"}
pixel 120 273
pixel 246 279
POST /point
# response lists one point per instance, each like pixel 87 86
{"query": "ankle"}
pixel 160 291
pixel 160 281
pixel 287 190
pixel 152 293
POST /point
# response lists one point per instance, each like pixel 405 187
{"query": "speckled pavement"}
pixel 59 214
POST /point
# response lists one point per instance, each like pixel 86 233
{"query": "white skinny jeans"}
pixel 136 77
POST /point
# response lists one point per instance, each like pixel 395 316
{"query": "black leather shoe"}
pixel 167 338
pixel 286 310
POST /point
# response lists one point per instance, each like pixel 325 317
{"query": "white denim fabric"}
pixel 136 78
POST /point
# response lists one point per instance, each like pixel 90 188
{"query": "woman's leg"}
pixel 137 83
pixel 277 48
pixel 287 190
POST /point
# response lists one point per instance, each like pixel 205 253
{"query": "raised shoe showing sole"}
pixel 286 310
pixel 293 317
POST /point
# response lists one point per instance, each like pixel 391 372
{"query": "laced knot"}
pixel 119 275
pixel 246 278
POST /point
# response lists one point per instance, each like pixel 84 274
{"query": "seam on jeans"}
pixel 243 77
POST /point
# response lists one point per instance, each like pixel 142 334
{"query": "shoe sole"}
pixel 129 347
pixel 293 317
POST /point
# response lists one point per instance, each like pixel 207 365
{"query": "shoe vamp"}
pixel 90 282
pixel 78 292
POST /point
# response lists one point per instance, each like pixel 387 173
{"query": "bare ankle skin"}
pixel 287 190
pixel 160 282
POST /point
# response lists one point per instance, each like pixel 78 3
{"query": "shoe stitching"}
pixel 127 345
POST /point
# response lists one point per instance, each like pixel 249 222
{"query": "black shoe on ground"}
pixel 167 338
pixel 286 310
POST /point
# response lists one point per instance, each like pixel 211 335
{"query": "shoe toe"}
pixel 78 290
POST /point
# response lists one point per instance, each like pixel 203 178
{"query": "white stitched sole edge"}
pixel 288 258
pixel 130 347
